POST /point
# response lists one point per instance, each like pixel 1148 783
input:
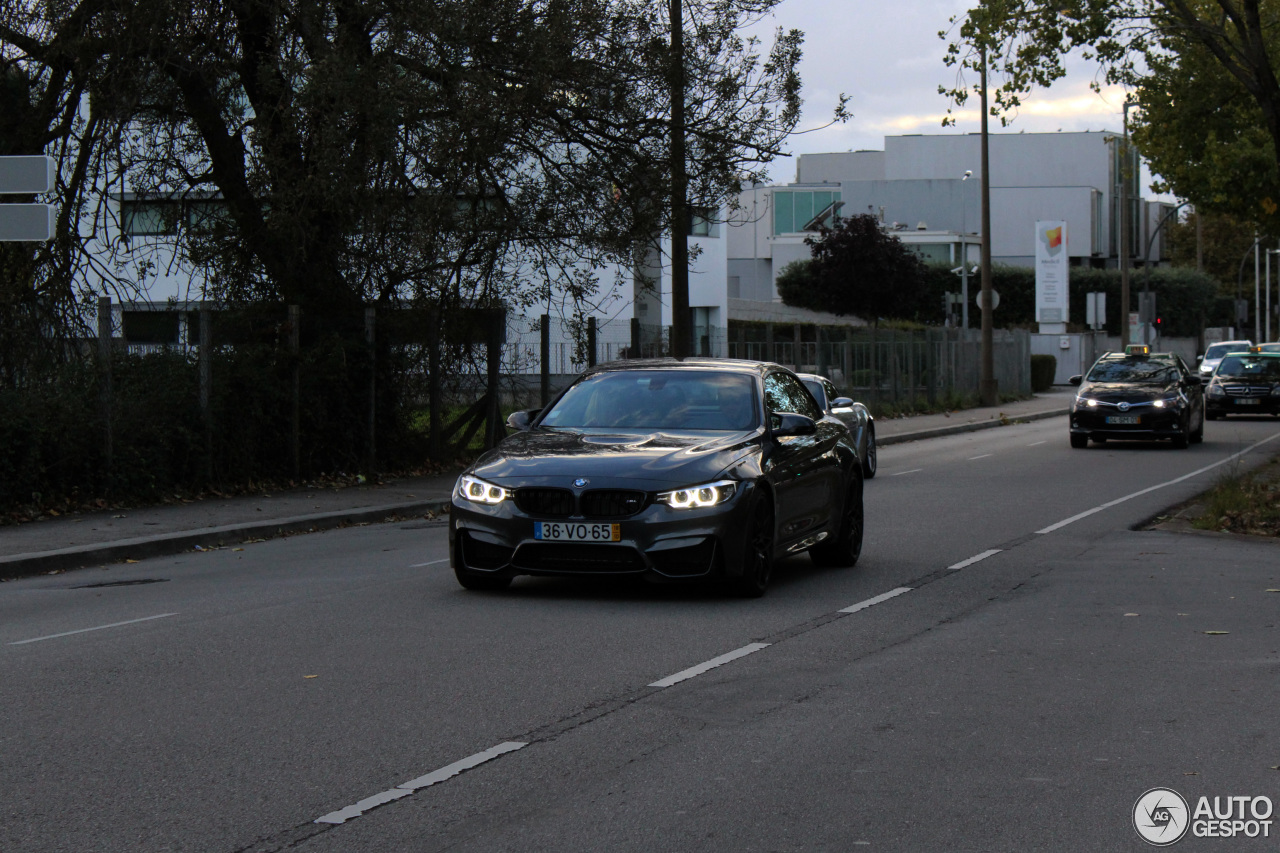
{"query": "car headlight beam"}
pixel 478 491
pixel 694 497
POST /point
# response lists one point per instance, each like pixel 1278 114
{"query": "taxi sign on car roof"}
pixel 1137 349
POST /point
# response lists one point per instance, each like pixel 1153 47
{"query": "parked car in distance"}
pixel 1138 394
pixel 855 416
pixel 1215 354
pixel 1245 383
pixel 672 470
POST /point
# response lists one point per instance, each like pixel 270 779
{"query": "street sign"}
pixel 26 222
pixel 26 174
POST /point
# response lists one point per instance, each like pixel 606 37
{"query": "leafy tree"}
pixel 1024 41
pixel 1226 244
pixel 857 268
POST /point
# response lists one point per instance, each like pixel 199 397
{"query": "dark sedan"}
pixel 855 416
pixel 1138 395
pixel 1245 384
pixel 666 469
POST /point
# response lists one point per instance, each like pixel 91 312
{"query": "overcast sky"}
pixel 888 58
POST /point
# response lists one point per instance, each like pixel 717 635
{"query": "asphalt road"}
pixel 226 701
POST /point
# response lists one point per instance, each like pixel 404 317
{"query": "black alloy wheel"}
pixel 1079 440
pixel 845 547
pixel 481 581
pixel 757 556
pixel 869 463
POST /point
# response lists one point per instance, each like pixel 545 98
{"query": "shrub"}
pixel 1043 368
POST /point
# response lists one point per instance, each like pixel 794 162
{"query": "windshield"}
pixel 656 400
pixel 1243 366
pixel 1143 372
pixel 1219 350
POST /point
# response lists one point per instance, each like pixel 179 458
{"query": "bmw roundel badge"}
pixel 580 482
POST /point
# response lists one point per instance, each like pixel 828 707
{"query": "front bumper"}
pixel 1231 405
pixel 658 542
pixel 1151 423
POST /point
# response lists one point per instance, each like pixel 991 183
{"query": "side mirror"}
pixel 841 403
pixel 784 424
pixel 1075 380
pixel 1199 359
pixel 521 420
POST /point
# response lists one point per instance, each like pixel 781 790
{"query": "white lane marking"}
pixel 969 562
pixel 912 471
pixel 983 456
pixel 685 674
pixel 432 563
pixel 432 778
pixel 98 628
pixel 871 602
pixel 1037 443
pixel 1117 501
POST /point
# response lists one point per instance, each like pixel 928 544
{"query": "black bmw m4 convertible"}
pixel 673 470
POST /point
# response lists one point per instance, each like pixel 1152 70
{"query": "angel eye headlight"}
pixel 695 497
pixel 477 490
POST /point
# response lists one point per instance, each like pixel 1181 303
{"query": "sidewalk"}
pixel 91 539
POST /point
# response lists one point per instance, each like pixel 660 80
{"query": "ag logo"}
pixel 1161 817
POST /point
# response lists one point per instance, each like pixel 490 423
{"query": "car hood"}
pixel 1129 391
pixel 647 460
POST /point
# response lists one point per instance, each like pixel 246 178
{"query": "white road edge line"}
pixel 1038 443
pixel 686 674
pixel 432 563
pixel 912 471
pixel 433 778
pixel 98 628
pixel 871 602
pixel 983 456
pixel 1117 501
pixel 969 562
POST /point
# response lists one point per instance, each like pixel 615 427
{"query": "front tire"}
pixel 1198 436
pixel 1079 440
pixel 757 555
pixel 845 547
pixel 1181 441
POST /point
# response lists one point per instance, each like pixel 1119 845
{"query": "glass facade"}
pixel 793 209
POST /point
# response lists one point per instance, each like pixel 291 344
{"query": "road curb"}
pixel 937 432
pixel 167 544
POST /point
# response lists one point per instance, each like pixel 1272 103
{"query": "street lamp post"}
pixel 1124 230
pixel 1146 264
pixel 988 390
pixel 964 256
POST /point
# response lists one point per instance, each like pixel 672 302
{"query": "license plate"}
pixel 560 531
pixel 1247 401
pixel 1124 419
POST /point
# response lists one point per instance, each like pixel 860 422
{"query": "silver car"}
pixel 854 415
pixel 1216 352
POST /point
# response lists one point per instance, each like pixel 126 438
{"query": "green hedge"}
pixel 1043 368
pixel 1187 301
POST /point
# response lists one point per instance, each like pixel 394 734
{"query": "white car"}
pixel 1215 353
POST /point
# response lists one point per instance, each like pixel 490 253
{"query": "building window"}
pixel 931 251
pixel 794 209
pixel 702 223
pixel 150 218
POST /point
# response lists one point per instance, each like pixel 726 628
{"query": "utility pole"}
pixel 988 391
pixel 1124 231
pixel 680 319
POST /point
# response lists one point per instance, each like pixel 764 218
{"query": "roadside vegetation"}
pixel 1244 502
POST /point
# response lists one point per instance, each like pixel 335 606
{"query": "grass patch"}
pixel 1244 503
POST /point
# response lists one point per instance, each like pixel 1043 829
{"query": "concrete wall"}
pixel 840 166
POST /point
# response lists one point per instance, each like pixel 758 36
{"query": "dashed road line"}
pixel 871 602
pixel 976 558
pixel 433 778
pixel 86 630
pixel 983 456
pixel 692 671
pixel 1038 443
pixel 912 471
pixel 431 563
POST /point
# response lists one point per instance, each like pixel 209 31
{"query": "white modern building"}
pixel 927 188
